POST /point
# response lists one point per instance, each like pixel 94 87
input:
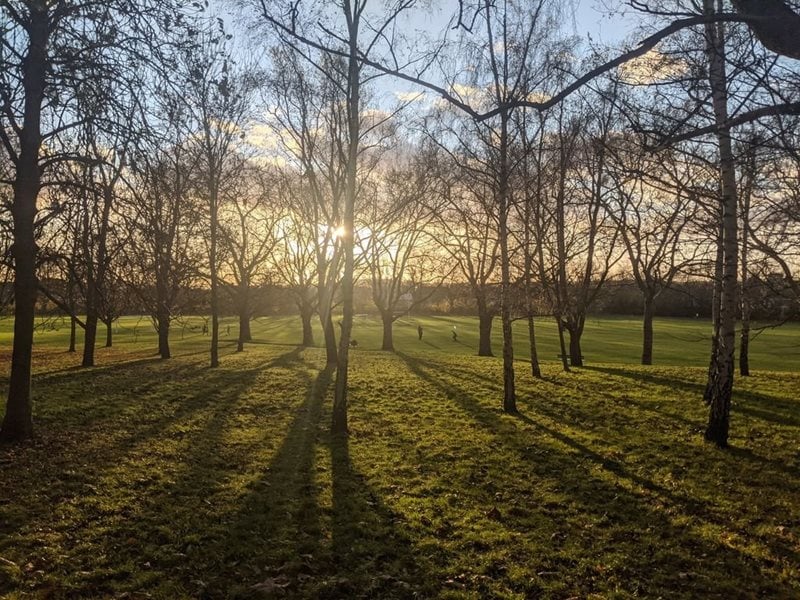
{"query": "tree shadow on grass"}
pixel 266 538
pixel 368 547
pixel 629 514
pixel 303 527
pixel 759 406
pixel 114 457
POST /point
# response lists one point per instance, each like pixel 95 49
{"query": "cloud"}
pixel 538 97
pixel 465 92
pixel 262 137
pixel 410 96
pixel 651 67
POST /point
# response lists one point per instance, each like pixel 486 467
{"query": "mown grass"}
pixel 678 342
pixel 167 479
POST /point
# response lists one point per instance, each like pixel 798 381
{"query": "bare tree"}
pixel 397 246
pixel 350 31
pixel 652 215
pixel 296 261
pixel 218 95
pixel 45 49
pixel 162 220
pixel 248 218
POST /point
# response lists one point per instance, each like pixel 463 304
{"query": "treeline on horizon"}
pixel 620 297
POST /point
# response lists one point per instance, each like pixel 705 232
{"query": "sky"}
pixel 591 21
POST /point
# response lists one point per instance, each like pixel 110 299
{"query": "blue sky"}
pixel 590 20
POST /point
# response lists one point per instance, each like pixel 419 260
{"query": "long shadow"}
pixel 604 499
pixel 767 407
pixel 94 435
pixel 377 558
pixel 282 541
pixel 274 533
pixel 271 542
pixel 642 406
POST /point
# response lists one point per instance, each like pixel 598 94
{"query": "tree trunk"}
pixel 244 331
pixel 746 306
pixel 212 265
pixel 509 387
pixel 721 380
pixel 716 295
pixel 245 334
pixel 388 339
pixel 485 320
pixel 562 344
pixel 89 335
pixel 744 348
pixel 331 344
pixel 214 362
pixel 308 330
pixel 575 354
pixel 72 334
pixel 536 370
pixel 163 323
pixel 339 412
pixel 109 333
pixel 647 327
pixel 18 420
pixel 72 324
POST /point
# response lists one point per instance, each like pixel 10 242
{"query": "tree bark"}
pixel 245 334
pixel 89 335
pixel 339 412
pixel 163 324
pixel 331 349
pixel 109 333
pixel 485 320
pixel 72 324
pixel 647 328
pixel 721 380
pixel 212 263
pixel 746 306
pixel 536 370
pixel 72 334
pixel 18 420
pixel 388 338
pixel 575 354
pixel 562 344
pixel 308 330
pixel 509 388
pixel 715 312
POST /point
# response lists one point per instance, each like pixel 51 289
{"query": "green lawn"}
pixel 166 479
pixel 678 342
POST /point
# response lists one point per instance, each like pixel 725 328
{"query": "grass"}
pixel 678 342
pixel 166 479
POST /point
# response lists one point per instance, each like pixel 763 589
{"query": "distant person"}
pixel 419 332
pixel 455 334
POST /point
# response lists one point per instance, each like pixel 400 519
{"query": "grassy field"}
pixel 678 342
pixel 166 479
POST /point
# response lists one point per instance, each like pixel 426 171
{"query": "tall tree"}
pixel 219 98
pixel 350 31
pixel 397 246
pixel 651 214
pixel 45 49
